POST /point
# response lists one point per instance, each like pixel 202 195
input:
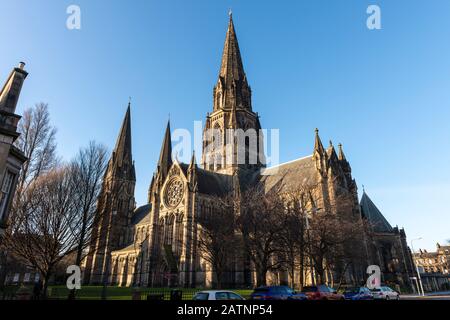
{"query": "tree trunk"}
pixel 45 286
pixel 261 277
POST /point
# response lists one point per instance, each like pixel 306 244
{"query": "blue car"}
pixel 358 293
pixel 276 293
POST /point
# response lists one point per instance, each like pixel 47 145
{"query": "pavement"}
pixel 444 295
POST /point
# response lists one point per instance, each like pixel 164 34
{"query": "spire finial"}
pixel 129 101
pixel 317 131
pixel 364 190
pixel 230 13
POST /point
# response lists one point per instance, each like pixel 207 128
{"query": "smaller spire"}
pixel 193 163
pixel 165 157
pixel 122 148
pixel 341 155
pixel 233 119
pixel 318 146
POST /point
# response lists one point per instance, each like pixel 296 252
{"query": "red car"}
pixel 322 292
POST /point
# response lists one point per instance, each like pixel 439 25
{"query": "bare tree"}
pixel 37 141
pixel 334 233
pixel 217 240
pixel 42 232
pixel 88 169
pixel 260 223
pixel 293 239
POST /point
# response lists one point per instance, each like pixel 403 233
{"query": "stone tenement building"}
pixel 11 158
pixel 434 268
pixel 156 244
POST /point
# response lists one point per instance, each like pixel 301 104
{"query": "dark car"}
pixel 322 292
pixel 358 293
pixel 276 293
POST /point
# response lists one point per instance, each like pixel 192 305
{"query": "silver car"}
pixel 217 295
pixel 385 293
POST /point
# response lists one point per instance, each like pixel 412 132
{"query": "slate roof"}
pixel 209 182
pixel 290 175
pixel 140 213
pixel 131 247
pixel 373 215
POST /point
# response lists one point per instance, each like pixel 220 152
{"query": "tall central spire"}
pixel 232 67
pixel 232 89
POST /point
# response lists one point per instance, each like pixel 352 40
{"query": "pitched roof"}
pixel 209 182
pixel 290 175
pixel 373 215
pixel 140 213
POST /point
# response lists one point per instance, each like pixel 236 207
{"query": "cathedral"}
pixel 156 244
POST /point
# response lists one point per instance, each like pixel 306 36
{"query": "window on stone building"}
pixel 169 231
pixel 179 234
pixel 6 192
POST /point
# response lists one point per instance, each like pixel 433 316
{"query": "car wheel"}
pixel 398 297
pixel 387 297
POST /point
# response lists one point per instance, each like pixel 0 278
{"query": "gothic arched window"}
pixel 169 230
pixel 179 234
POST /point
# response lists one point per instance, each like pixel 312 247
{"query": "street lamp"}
pixel 417 268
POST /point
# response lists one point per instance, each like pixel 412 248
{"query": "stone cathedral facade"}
pixel 156 244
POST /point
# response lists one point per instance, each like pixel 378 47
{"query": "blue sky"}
pixel 385 94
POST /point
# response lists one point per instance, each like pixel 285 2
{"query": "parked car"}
pixel 322 292
pixel 217 295
pixel 276 293
pixel 358 293
pixel 385 293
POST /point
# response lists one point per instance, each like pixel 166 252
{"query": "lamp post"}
pixel 417 268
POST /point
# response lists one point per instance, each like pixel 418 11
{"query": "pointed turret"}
pixel 318 146
pixel 9 94
pixel 193 163
pixel 341 155
pixel 345 165
pixel 165 157
pixel 319 154
pixel 192 172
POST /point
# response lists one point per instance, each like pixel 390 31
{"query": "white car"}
pixel 385 293
pixel 217 295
